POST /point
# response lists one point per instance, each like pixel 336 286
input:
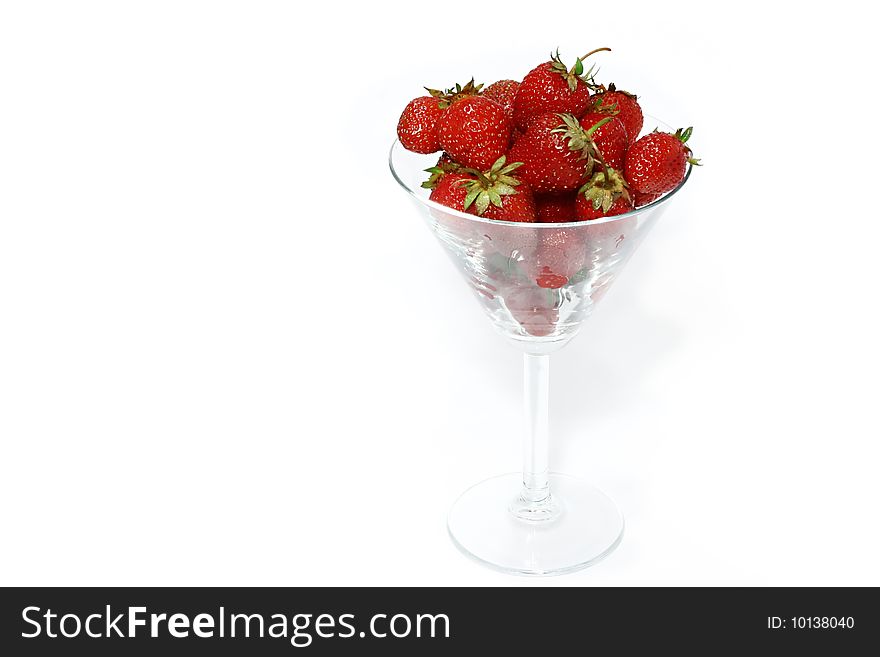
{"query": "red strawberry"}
pixel 586 211
pixel 551 87
pixel 475 131
pixel 518 207
pixel 449 190
pixel 610 138
pixel 444 165
pixel 656 163
pixel 560 254
pixel 627 106
pixel 555 208
pixel 640 199
pixel 493 194
pixel 503 93
pixel 514 135
pixel 417 127
pixel 556 152
pixel 605 195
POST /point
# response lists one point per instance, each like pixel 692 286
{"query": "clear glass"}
pixel 537 283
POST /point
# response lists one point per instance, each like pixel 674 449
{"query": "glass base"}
pixel 483 526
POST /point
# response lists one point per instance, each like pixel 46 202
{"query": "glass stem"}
pixel 535 502
pixel 536 442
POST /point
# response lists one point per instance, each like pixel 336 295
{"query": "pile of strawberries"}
pixel 556 147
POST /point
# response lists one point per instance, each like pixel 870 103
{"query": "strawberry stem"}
pixel 598 125
pixel 598 155
pixel 480 176
pixel 593 52
pixel 607 170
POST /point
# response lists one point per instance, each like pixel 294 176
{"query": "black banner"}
pixel 430 621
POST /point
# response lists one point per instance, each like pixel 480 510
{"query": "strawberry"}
pixel 627 107
pixel 657 162
pixel 605 195
pixel 518 207
pixel 555 208
pixel 640 199
pixel 514 135
pixel 444 165
pixel 449 189
pixel 551 87
pixel 560 254
pixel 493 194
pixel 586 211
pixel 610 138
pixel 556 152
pixel 417 127
pixel 475 131
pixel 503 93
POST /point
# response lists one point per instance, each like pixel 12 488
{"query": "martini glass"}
pixel 537 283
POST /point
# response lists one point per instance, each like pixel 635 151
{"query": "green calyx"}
pixel 601 108
pixel 575 73
pixel 438 171
pixel 449 96
pixel 581 140
pixel 490 186
pixel 683 136
pixel 604 188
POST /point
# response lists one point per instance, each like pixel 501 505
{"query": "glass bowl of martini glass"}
pixel 537 283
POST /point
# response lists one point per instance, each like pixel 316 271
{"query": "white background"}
pixel 231 354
